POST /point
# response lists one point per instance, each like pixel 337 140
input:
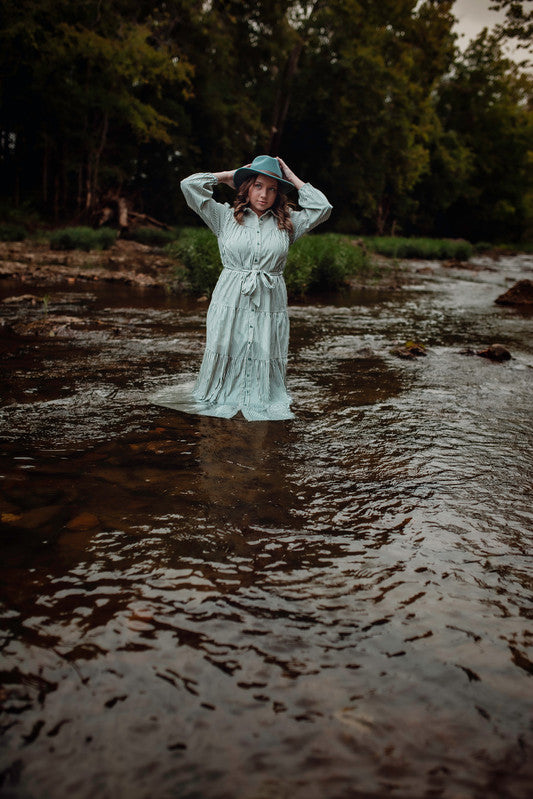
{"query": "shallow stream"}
pixel 335 607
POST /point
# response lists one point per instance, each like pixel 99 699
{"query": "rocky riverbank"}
pixel 126 262
pixel 131 263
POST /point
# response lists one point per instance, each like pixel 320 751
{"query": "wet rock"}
pixel 72 298
pixel 10 518
pixel 519 294
pixel 142 279
pixel 495 352
pixel 38 517
pixel 365 352
pixel 83 521
pixel 23 299
pixel 131 247
pixel 7 507
pixel 6 329
pixel 116 261
pixel 453 263
pixel 49 326
pixel 425 270
pixel 127 262
pixel 409 351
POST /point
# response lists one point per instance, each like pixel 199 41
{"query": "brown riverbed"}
pixel 126 262
pixel 336 606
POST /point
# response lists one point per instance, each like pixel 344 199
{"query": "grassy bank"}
pixel 82 238
pixel 318 262
pixel 87 238
pixel 315 263
pixel 426 249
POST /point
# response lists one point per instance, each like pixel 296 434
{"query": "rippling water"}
pixel 337 606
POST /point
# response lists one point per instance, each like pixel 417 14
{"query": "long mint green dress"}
pixel 245 359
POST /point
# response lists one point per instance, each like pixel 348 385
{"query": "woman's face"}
pixel 262 193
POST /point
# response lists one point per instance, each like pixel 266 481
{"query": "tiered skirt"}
pixel 245 358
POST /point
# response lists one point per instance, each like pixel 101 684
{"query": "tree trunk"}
pixel 80 187
pixel 284 93
pixel 122 214
pixel 283 98
pixel 99 151
pixel 382 217
pixel 45 171
pixel 93 167
pixel 56 196
pixel 88 186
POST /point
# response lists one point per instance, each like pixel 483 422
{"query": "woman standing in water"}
pixel 245 358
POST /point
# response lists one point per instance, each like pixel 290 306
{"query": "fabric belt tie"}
pixel 251 285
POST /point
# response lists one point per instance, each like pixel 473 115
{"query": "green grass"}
pixel 319 261
pixel 153 237
pixel 427 249
pixel 315 263
pixel 10 231
pixel 196 249
pixel 502 248
pixel 82 238
pixel 323 262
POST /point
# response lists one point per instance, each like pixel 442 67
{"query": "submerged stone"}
pixel 519 294
pixel 39 517
pixel 23 299
pixel 495 352
pixel 409 350
pixel 48 326
pixel 83 521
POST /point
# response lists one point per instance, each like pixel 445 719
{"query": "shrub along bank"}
pixel 428 249
pixel 82 238
pixel 318 262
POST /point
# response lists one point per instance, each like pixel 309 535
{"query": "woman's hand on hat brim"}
pixel 226 177
pixel 289 175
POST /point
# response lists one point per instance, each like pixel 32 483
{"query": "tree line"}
pixel 371 101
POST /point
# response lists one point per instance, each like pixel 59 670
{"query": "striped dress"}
pixel 245 358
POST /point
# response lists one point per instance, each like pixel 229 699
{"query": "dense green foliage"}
pixel 11 232
pixel 372 102
pixel 430 249
pixel 152 237
pixel 82 238
pixel 317 262
pixel 197 251
pixel 323 261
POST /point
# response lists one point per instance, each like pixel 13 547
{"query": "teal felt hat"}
pixel 262 165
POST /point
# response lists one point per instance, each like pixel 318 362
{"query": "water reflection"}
pixel 240 466
pixel 332 606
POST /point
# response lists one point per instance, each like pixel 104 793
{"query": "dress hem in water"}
pixel 183 399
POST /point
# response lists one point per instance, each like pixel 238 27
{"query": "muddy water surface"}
pixel 337 606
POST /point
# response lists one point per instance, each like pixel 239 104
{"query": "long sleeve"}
pixel 198 192
pixel 315 209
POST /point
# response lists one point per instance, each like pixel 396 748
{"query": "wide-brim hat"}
pixel 262 165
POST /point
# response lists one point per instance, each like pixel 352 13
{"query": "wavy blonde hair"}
pixel 280 207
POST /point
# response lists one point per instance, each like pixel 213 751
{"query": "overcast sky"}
pixel 473 16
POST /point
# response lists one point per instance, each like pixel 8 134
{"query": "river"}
pixel 334 607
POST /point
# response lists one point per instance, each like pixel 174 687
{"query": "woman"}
pixel 245 358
